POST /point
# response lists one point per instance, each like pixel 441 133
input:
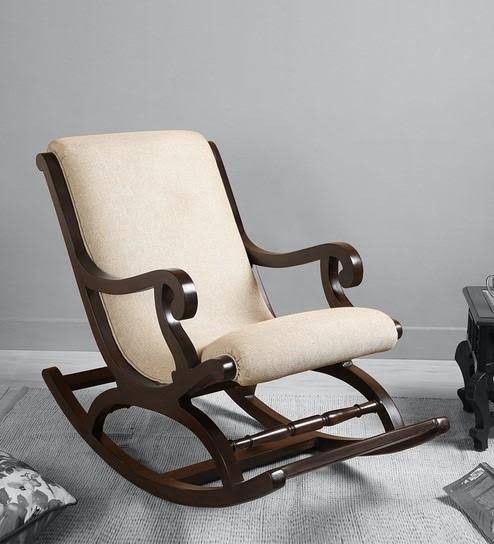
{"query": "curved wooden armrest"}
pixel 331 256
pixel 178 285
pixel 175 299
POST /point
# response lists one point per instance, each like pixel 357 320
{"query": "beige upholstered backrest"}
pixel 153 200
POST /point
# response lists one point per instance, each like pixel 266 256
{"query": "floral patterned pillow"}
pixel 28 502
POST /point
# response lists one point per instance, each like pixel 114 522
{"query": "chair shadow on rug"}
pixel 166 273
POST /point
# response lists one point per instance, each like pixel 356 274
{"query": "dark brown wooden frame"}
pixel 176 300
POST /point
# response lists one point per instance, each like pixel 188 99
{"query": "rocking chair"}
pixel 166 274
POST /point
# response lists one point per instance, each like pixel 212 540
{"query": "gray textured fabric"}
pixel 396 498
pixel 9 397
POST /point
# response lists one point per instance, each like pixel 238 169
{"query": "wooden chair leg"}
pixel 370 388
pixel 104 404
pixel 214 440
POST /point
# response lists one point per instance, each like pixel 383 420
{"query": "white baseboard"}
pixel 427 343
pixel 46 334
pixel 75 335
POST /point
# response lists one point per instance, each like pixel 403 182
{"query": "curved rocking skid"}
pixel 230 458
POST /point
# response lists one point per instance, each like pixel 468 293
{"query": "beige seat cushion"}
pixel 152 200
pixel 293 343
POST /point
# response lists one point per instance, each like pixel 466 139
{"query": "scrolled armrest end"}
pixel 178 290
pixel 352 270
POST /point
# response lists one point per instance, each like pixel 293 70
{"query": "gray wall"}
pixel 369 121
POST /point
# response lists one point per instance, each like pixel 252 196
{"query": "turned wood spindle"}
pixel 307 424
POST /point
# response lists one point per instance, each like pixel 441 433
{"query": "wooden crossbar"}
pixel 89 378
pixel 307 424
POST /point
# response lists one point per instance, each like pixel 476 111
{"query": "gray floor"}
pixel 383 499
pixel 402 378
pixel 348 503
